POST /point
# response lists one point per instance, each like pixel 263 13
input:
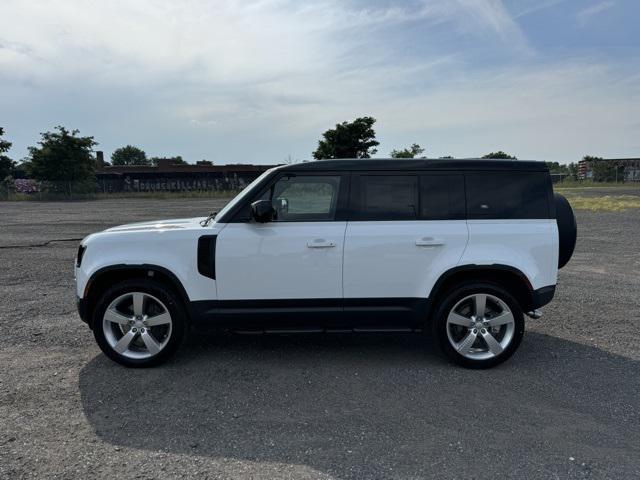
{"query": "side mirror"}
pixel 262 211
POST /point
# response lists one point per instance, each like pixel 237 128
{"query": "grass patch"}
pixel 579 184
pixel 606 203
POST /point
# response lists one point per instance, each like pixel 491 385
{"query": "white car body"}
pixel 328 257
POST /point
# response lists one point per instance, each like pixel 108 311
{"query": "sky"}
pixel 258 81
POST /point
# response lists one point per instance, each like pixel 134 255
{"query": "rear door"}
pixel 404 230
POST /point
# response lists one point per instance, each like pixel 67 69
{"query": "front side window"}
pixel 304 198
pixel 386 197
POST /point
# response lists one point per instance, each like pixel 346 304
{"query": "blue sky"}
pixel 256 81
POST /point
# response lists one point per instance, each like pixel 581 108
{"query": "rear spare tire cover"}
pixel 567 229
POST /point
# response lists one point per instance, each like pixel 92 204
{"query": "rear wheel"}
pixel 478 325
pixel 139 323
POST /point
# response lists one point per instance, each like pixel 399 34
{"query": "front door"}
pixel 293 262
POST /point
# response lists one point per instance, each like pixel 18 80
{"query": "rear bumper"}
pixel 542 296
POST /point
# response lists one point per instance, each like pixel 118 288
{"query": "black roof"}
pixel 419 164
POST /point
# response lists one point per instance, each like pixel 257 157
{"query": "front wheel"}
pixel 139 323
pixel 478 325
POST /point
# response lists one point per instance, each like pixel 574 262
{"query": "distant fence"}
pixel 110 183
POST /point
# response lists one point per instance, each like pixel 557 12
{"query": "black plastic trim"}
pixel 435 291
pixel 315 313
pixel 394 165
pixel 81 250
pixel 83 310
pixel 143 266
pixel 542 296
pixel 207 255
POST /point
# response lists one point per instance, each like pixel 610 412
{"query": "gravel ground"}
pixel 355 406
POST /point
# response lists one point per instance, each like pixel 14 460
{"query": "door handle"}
pixel 320 244
pixel 429 242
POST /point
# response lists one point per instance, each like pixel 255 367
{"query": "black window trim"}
pixel 347 199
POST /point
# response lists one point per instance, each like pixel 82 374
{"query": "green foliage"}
pixel 605 171
pixel 355 139
pixel 555 167
pixel 6 164
pixel 411 152
pixel 64 161
pixel 178 160
pixel 499 154
pixel 129 155
pixel 602 171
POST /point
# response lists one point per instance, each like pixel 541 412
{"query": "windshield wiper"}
pixel 206 221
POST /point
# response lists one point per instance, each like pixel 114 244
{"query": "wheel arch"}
pixel 104 277
pixel 508 277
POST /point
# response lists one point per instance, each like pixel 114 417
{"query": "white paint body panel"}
pixel 367 260
pixel 531 246
pixel 274 261
pixel 171 244
pixel 400 258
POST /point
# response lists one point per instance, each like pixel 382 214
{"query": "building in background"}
pixel 627 169
pixel 169 177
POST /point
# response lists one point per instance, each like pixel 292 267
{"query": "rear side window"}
pixel 386 197
pixel 509 195
pixel 442 197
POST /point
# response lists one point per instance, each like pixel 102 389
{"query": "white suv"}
pixel 461 248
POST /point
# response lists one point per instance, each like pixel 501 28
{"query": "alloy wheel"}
pixel 137 325
pixel 480 326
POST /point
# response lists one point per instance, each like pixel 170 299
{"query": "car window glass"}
pixel 442 197
pixel 387 197
pixel 304 198
pixel 509 195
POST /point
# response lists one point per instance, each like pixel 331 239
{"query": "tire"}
pixel 567 229
pixel 148 308
pixel 457 340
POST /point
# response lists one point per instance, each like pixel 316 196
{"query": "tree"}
pixel 555 167
pixel 6 164
pixel 356 139
pixel 178 160
pixel 602 170
pixel 65 158
pixel 499 154
pixel 129 155
pixel 411 152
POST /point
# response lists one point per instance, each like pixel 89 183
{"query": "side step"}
pixel 291 331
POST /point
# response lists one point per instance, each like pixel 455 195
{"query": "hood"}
pixel 172 224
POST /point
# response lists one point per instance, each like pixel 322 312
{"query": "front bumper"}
pixel 83 310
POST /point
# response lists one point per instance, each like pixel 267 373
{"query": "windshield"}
pixel 238 198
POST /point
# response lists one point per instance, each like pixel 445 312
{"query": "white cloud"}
pixel 586 14
pixel 235 80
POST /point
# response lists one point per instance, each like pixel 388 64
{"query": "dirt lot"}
pixel 565 406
